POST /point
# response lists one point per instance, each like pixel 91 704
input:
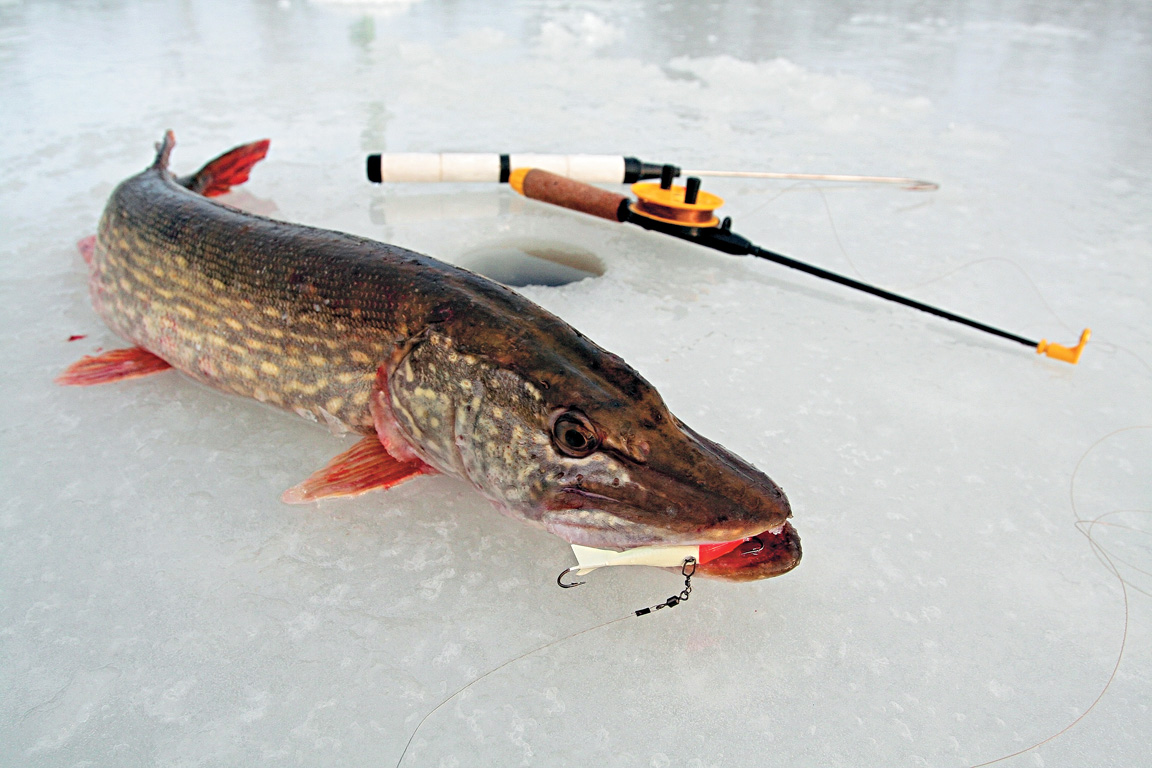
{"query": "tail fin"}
pixel 228 170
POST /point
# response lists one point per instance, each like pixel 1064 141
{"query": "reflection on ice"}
pixel 532 262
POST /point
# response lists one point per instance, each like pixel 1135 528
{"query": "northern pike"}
pixel 441 371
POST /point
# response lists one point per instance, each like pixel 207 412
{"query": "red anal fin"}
pixel 228 170
pixel 87 247
pixel 364 467
pixel 116 365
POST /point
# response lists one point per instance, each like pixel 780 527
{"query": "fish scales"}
pixel 294 315
pixel 442 370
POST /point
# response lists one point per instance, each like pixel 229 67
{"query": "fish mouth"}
pixel 771 553
pixel 687 490
pixel 746 553
pixel 659 507
pixel 634 517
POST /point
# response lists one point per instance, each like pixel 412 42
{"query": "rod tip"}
pixel 1067 354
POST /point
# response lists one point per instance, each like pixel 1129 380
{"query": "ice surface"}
pixel 160 606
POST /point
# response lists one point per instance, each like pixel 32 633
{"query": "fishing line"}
pixel 1084 526
pixel 1101 344
pixel 496 669
pixel 688 569
pixel 610 208
pixel 805 186
pixel 1117 348
pixel 611 169
pixel 688 213
pixel 836 232
pixel 910 286
pixel 1099 696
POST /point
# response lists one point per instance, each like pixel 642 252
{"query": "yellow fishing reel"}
pixel 685 206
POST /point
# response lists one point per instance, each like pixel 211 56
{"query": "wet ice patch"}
pixel 523 262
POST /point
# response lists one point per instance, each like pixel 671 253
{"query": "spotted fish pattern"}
pixel 440 369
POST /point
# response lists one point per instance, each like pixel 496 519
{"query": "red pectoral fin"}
pixel 364 467
pixel 117 365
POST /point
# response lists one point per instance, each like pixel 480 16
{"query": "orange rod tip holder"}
pixel 1068 355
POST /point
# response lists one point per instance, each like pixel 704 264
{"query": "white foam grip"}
pixel 594 169
pixel 448 166
pixel 459 166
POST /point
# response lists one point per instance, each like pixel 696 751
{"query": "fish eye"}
pixel 574 435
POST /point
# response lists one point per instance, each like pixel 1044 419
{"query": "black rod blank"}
pixel 888 295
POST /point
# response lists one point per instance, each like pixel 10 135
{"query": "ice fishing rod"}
pixel 690 214
pixel 594 169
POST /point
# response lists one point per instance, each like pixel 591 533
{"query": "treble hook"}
pixel 565 572
pixel 759 547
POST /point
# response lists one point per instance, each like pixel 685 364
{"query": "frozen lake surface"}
pixel 977 520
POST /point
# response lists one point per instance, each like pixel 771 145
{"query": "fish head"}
pixel 588 450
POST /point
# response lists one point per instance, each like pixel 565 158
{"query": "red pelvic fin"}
pixel 87 247
pixel 228 170
pixel 364 467
pixel 116 365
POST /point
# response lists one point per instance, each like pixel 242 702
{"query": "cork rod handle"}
pixel 574 195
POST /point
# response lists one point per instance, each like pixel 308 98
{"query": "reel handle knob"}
pixel 567 193
pixel 692 190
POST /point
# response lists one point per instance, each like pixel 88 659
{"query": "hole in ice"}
pixel 532 262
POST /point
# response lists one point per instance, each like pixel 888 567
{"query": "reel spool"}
pixel 683 206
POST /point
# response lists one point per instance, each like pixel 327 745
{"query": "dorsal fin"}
pixel 230 169
pixel 164 151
